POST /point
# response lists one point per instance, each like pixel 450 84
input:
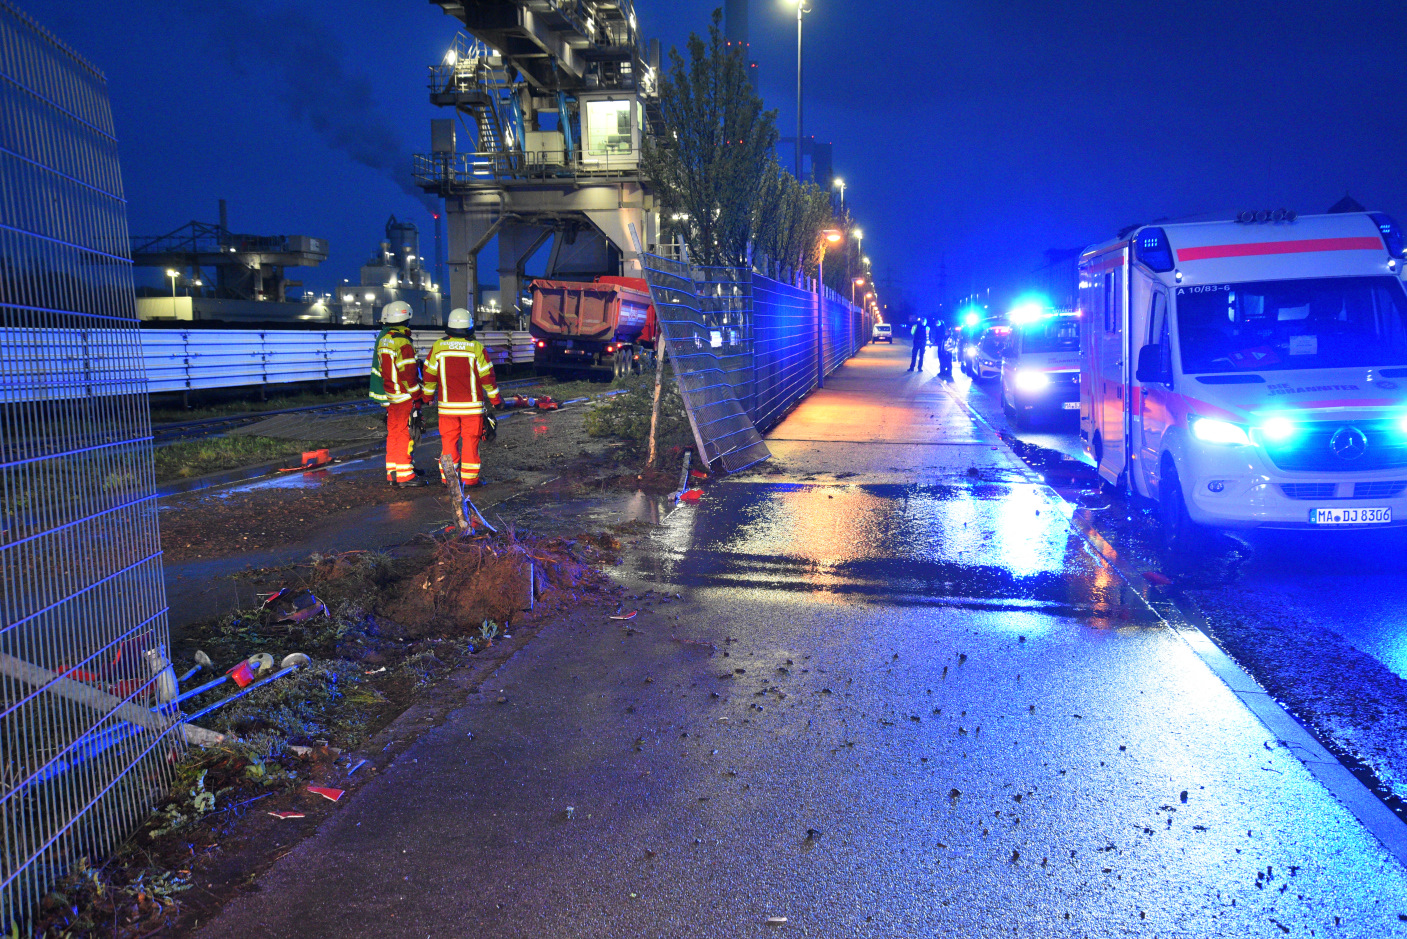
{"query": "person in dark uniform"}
pixel 920 340
pixel 944 342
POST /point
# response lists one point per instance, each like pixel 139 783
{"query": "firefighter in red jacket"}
pixel 395 382
pixel 459 374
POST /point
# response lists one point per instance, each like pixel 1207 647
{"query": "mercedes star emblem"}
pixel 1348 443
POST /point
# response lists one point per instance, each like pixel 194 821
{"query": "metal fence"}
pixel 706 317
pixel 745 352
pixel 83 632
pixel 195 359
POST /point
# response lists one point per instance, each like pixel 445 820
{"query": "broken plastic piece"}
pixel 776 920
pixel 242 675
pixel 698 474
pixel 1157 579
pixel 691 495
pixel 294 606
pixel 287 815
pixel 631 615
pixel 332 795
pixel 261 663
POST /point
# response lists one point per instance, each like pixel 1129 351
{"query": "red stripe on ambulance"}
pixel 1260 248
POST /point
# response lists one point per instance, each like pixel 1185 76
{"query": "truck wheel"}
pixel 1181 535
pixel 618 365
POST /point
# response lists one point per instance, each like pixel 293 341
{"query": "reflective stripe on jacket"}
pixel 395 375
pixel 459 374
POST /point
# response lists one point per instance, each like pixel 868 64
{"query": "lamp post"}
pixel 831 236
pixel 173 274
pixel 840 184
pixel 802 8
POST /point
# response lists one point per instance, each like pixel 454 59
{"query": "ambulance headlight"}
pixel 1030 380
pixel 1213 431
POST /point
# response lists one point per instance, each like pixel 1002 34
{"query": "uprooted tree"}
pixel 715 174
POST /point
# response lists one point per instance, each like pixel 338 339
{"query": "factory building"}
pixel 396 270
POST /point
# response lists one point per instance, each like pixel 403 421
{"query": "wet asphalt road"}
pixel 899 698
pixel 1351 583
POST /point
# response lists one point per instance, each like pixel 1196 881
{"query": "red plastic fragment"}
pixel 691 495
pixel 331 795
pixel 631 615
pixel 242 674
pixel 288 815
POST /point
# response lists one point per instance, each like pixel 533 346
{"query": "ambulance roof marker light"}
pixel 1151 248
pixel 1393 238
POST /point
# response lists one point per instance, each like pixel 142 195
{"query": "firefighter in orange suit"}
pixel 459 375
pixel 395 382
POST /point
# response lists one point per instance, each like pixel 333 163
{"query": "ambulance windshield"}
pixel 1330 322
pixel 1053 334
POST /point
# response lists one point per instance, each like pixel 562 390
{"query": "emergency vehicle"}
pixel 1250 373
pixel 1040 370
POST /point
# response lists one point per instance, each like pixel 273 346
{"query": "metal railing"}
pixel 83 632
pixel 198 359
pixel 461 170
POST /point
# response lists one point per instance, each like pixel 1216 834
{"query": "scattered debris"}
pixel 327 792
pixel 288 815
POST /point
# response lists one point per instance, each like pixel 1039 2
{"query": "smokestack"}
pixel 735 21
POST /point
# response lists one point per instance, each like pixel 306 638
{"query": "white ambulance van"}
pixel 1250 373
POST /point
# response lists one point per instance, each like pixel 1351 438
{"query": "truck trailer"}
pixel 605 324
pixel 1250 373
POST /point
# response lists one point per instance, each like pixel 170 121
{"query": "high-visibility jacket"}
pixel 459 372
pixel 395 375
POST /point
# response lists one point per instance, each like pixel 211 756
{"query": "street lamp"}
pixel 802 8
pixel 857 282
pixel 173 274
pixel 840 184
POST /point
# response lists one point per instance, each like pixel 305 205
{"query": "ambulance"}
pixel 1250 373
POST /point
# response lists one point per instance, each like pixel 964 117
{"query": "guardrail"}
pixel 98 362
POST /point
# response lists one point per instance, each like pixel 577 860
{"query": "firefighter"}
pixel 458 372
pixel 395 382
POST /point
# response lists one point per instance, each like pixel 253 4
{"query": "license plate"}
pixel 1071 405
pixel 1354 516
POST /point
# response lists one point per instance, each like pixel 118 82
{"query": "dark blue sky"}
pixel 979 134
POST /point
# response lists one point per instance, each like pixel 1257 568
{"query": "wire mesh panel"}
pixel 84 740
pixel 784 363
pixel 706 317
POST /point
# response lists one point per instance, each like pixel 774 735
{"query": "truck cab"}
pixel 1250 373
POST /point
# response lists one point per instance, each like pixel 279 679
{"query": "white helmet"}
pixel 460 318
pixel 397 312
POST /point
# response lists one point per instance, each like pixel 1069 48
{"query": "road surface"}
pixel 899 697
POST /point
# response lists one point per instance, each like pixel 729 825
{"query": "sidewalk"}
pixel 899 698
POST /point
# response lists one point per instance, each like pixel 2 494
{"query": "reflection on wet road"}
pixel 1349 582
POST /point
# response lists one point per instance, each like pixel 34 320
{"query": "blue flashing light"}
pixel 1393 238
pixel 1278 430
pixel 1152 250
pixel 971 318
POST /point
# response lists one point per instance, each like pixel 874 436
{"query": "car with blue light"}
pixel 1250 372
pixel 984 363
pixel 1040 371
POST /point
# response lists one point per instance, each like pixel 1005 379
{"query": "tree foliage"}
pixel 714 169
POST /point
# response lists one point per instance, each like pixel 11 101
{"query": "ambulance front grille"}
pixel 1349 446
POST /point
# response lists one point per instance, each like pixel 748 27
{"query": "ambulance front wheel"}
pixel 1180 534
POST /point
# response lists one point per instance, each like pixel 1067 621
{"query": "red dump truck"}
pixel 607 324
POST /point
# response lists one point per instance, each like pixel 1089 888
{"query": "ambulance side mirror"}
pixel 1154 365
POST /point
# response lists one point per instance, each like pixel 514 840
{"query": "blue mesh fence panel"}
pixel 84 742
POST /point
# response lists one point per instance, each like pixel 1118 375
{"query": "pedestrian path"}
pixel 899 697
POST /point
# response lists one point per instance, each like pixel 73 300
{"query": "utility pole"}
pixel 801 9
